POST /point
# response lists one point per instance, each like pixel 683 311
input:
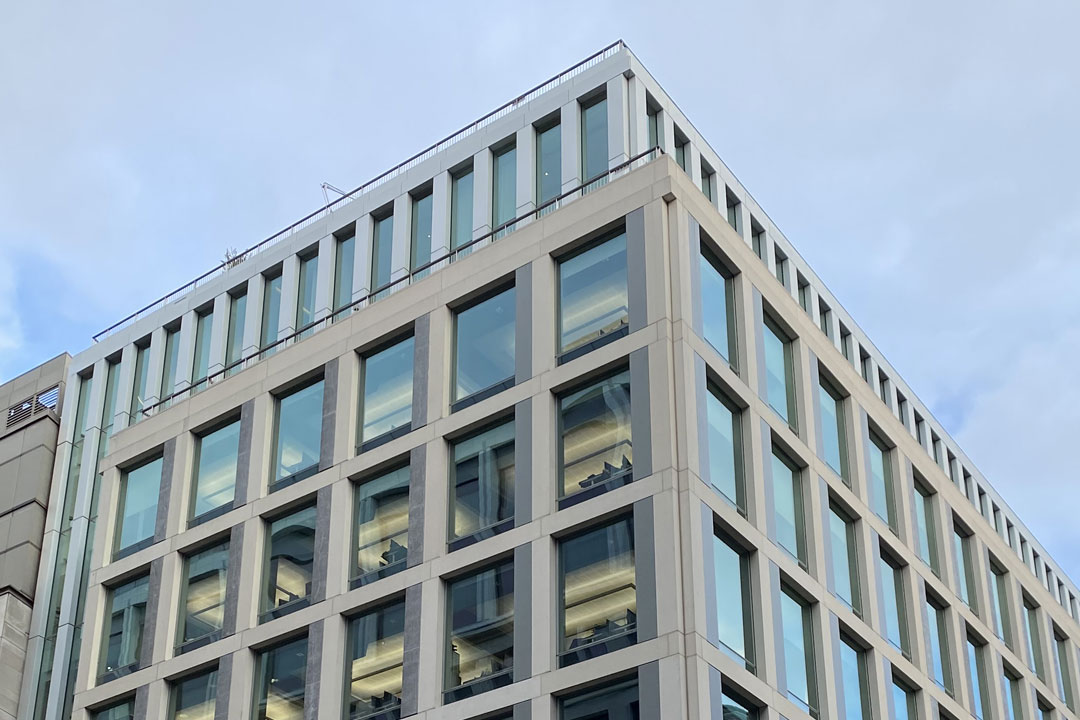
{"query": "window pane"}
pixel 290 559
pixel 939 645
pixel 787 500
pixel 194 697
pixel 387 390
pixel 343 271
pixel 592 294
pixel 299 433
pixel 1012 698
pixel 892 584
pixel 599 592
pixel 1064 674
pixel 733 600
pixel 548 164
pixel 204 324
pixel 842 545
pixel 482 478
pixel 170 363
pixel 461 209
pixel 924 515
pixel 234 346
pixel 732 709
pixel 203 611
pixel 480 641
pixel 305 292
pixel 126 614
pixel 121 711
pixel 1031 626
pixel 484 344
pixel 382 244
pixel 975 669
pixel 717 318
pixel 612 702
pixel 420 242
pixel 880 480
pixel 594 140
pixel 504 187
pixel 853 680
pixel 595 439
pixel 271 314
pixel 904 707
pixel 1000 600
pixel 963 569
pixel 376 652
pixel 139 490
pixel 138 394
pixel 280 677
pixel 778 377
pixel 832 429
pixel 725 462
pixel 382 524
pixel 798 651
pixel 215 469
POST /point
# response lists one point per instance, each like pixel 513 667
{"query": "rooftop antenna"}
pixel 327 186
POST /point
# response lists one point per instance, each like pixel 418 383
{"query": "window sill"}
pixel 480 395
pixel 117 673
pixel 390 712
pixel 612 483
pixel 210 514
pixel 283 610
pixel 132 549
pixel 370 577
pixel 198 642
pixel 480 685
pixel 482 534
pixel 598 647
pixel 384 438
pixel 293 479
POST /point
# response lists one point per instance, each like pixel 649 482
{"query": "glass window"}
pixel 904 707
pixel 216 455
pixel 881 484
pixel 844 558
pixel 234 344
pixel 298 435
pixel 999 596
pixel 978 679
pixel 480 632
pixel 926 528
pixel 681 144
pixel 504 186
pixel 734 617
pixel 618 701
pixel 788 507
pixel 420 230
pixel 595 441
pixel 594 140
pixel 598 603
pixel 290 557
pixel 1064 671
pixel 137 512
pixel 271 310
pixel 482 483
pixel 387 392
pixel 798 651
pixel 376 652
pixel 280 675
pixel 734 206
pixel 938 634
pixel 964 570
pixel 895 616
pixel 548 163
pixel 853 679
pixel 123 628
pixel 593 294
pixel 382 526
pixel 1013 698
pixel 305 293
pixel 656 128
pixel 344 262
pixel 779 377
pixel 123 710
pixel 138 393
pixel 170 363
pixel 108 411
pixel 202 604
pixel 732 708
pixel 382 244
pixel 484 346
pixel 204 325
pixel 461 209
pixel 195 697
pixel 832 429
pixel 1034 646
pixel 725 448
pixel 706 181
pixel 717 306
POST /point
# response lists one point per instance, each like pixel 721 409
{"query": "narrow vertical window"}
pixel 170 364
pixel 234 343
pixel 548 163
pixel 1034 646
pixel 856 691
pixel 757 239
pixel 305 294
pixel 895 608
pixel 216 454
pixel 1064 670
pixel 290 557
pixel 904 707
pixel 375 650
pixel 797 627
pixel 482 485
pixel 734 602
pixel 725 447
pixel 938 634
pixel 779 372
pixel 280 677
pixel 594 140
pixel 964 571
pixel 707 181
pixel 881 481
pixel 202 603
pixel 833 429
pixel 382 246
pixel 734 210
pixel 122 631
pixel 717 305
pixel 484 344
pixel 461 208
pixel 1013 697
pixel 271 310
pixel 788 507
pixel 979 692
pixel 420 230
pixel 503 188
pixel 137 511
pixel 999 596
pixel 108 411
pixel 681 147
pixel 844 550
pixel 595 442
pixel 344 263
pixel 598 598
pixel 656 133
pixel 387 393
pixel 139 389
pixel 382 526
pixel 195 697
pixel 200 366
pixel 926 527
pixel 480 632
pixel 593 297
pixel 297 435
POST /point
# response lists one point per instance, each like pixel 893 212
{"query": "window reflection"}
pixel 203 610
pixel 484 346
pixel 381 248
pixel 461 208
pixel 387 392
pixel 548 163
pixel 779 380
pixel 617 701
pixel 290 559
pixel 194 697
pixel 280 677
pixel 482 478
pixel 376 642
pixel 305 294
pixel 788 507
pixel 123 631
pixel 271 310
pixel 382 526
pixel 215 469
pixel 596 446
pixel 137 512
pixel 298 435
pixel 724 440
pixel 480 646
pixel 593 294
pixel 717 305
pixel 798 651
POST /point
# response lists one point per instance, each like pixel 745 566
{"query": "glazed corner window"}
pixel 717 305
pixel 216 455
pixel 297 435
pixel 938 633
pixel 503 187
pixel 882 500
pixel 594 139
pixel 617 701
pixel 202 605
pixel 461 208
pixel 725 447
pixel 280 676
pixel 344 265
pixel 484 343
pixel 833 434
pixel 593 299
pixel 305 294
pixel 290 558
pixel 976 668
pixel 926 527
pixel 420 230
pixel 194 697
pixel 734 616
pixel 137 511
pixel 382 245
pixel 480 627
pixel 895 608
pixel 123 710
pixel 779 371
pixel 788 506
pixel 204 325
pixel 842 543
pixel 548 162
pixel 856 690
pixel 965 577
pixel 798 633
pixel 382 526
pixel 271 310
pixel 482 485
pixel 595 443
pixel 387 394
pixel 376 642
pixel 123 629
pixel 598 603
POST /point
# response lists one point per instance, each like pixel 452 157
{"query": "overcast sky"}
pixel 921 155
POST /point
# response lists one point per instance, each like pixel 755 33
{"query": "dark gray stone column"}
pixel 636 275
pixel 523 297
pixel 232 579
pixel 322 544
pixel 168 464
pixel 329 415
pixel 417 467
pixel 224 685
pixel 142 698
pixel 313 673
pixel 243 455
pixel 410 673
pixel 523 624
pixel 421 345
pixel 640 413
pixel 153 601
pixel 645 568
pixel 649 689
pixel 523 462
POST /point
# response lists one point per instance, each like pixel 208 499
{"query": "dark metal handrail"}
pixel 417 273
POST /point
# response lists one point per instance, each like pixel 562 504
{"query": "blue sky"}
pixel 920 155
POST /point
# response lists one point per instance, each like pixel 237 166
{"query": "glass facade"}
pixel 123 628
pixel 216 455
pixel 779 377
pixel 594 140
pixel 202 603
pixel 280 677
pixel 297 435
pixel 382 526
pixel 382 245
pixel 595 442
pixel 195 697
pixel 420 231
pixel 788 507
pixel 833 444
pixel 844 558
pixel 271 310
pixel 484 342
pixel 200 365
pixel 480 632
pixel 854 686
pixel 593 300
pixel 548 163
pixel 725 448
pixel 482 483
pixel 305 294
pixel 376 654
pixel 598 592
pixel 234 343
pixel 717 306
pixel 461 208
pixel 503 186
pixel 344 265
pixel 797 629
pixel 734 602
pixel 895 615
pixel 387 392
pixel 290 558
pixel 137 511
